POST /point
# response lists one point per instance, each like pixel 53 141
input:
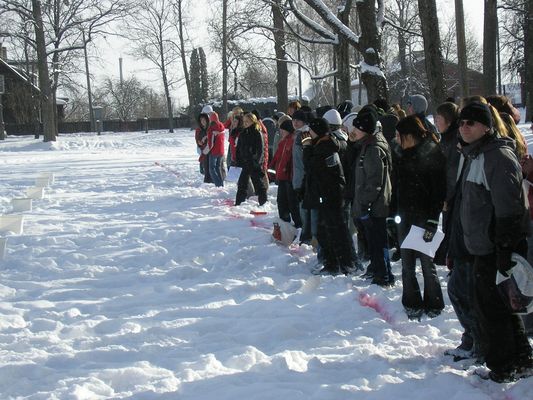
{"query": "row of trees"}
pixel 333 41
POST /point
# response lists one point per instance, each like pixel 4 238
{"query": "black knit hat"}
pixel 320 126
pixel 477 112
pixel 366 120
pixel 287 126
pixel 300 116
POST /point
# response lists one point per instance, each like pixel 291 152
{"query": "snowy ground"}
pixel 130 281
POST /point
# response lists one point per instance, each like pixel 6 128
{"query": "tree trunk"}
pixel 370 47
pixel 224 56
pixel 47 106
pixel 282 72
pixel 461 48
pixel 528 45
pixel 432 51
pixel 183 55
pixel 490 25
pixel 344 81
pixel 167 91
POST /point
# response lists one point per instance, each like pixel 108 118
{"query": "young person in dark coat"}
pixel 421 188
pixel 324 185
pixel 201 141
pixel 372 193
pixel 418 105
pixel 494 221
pixel 250 156
pixel 461 278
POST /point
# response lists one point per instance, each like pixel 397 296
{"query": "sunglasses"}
pixel 468 122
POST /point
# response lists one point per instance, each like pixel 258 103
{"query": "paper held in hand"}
pixel 415 241
pixel 233 174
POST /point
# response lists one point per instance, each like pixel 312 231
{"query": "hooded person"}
pixel 418 105
pixel 287 201
pixel 371 167
pixel 215 149
pixel 324 185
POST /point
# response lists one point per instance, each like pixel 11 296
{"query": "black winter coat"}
pixel 324 177
pixel 420 180
pixel 250 149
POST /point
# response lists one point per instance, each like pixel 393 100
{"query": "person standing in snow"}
pixel 309 217
pixel 420 185
pixel 201 141
pixel 235 130
pixel 282 163
pixel 250 157
pixel 324 185
pixel 372 192
pixel 335 124
pixel 494 221
pixel 215 149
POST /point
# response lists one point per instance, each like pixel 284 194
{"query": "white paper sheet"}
pixel 233 174
pixel 415 241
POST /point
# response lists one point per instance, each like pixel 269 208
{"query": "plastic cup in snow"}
pixel 42 181
pixel 21 204
pixel 48 175
pixel 35 193
pixel 3 246
pixel 11 223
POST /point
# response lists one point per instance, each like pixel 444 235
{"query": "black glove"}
pixel 503 261
pixel 431 228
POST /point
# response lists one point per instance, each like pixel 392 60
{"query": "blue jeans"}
pixel 215 165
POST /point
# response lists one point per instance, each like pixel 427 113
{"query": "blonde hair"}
pixel 237 110
pixel 514 132
pixel 254 120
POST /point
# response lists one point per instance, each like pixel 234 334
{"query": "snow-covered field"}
pixel 135 281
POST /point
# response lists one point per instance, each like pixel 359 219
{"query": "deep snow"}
pixel 135 281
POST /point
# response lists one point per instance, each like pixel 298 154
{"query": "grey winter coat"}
pixel 372 181
pixel 298 171
pixel 493 209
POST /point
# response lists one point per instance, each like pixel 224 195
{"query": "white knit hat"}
pixel 333 117
pixel 348 121
pixel 207 109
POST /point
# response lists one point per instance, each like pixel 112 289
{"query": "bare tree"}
pixel 282 71
pixel 529 60
pixel 432 50
pixel 368 44
pixel 461 48
pixel 178 9
pixel 490 37
pixel 152 33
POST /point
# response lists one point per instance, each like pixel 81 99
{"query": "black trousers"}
pixel 258 179
pixel 288 206
pixel 334 238
pixel 375 232
pixel 503 332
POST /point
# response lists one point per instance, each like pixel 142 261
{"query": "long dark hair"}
pixel 412 125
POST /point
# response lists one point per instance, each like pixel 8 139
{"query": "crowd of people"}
pixel 378 170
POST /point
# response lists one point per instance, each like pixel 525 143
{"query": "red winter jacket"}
pixel 215 136
pixel 282 160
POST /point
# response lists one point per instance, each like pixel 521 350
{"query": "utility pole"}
pixel 88 76
pixel 120 71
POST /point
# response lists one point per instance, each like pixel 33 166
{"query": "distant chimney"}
pixel 3 53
